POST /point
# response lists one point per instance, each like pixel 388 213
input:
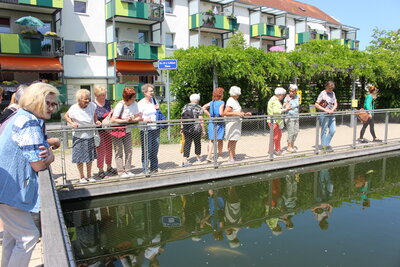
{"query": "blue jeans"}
pixel 328 128
pixel 151 149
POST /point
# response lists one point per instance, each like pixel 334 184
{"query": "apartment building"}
pixel 117 43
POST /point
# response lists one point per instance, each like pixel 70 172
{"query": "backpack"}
pixel 6 117
pixel 188 126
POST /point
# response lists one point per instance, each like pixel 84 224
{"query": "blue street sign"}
pixel 168 64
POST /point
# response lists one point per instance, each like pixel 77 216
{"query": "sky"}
pixel 362 14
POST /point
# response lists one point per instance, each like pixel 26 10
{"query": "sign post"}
pixel 168 64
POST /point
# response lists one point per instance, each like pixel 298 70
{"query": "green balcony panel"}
pixel 142 51
pixel 112 50
pixel 43 3
pixel 161 52
pixel 125 9
pixel 154 52
pixel 194 21
pixel 9 43
pixel 118 91
pixel 268 30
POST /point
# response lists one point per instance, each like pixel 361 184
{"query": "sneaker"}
pixel 94 179
pixel 362 140
pixel 101 174
pixel 154 171
pixel 198 160
pixel 209 160
pixel 186 164
pixel 111 171
pixel 376 140
pixel 83 180
pixel 278 153
pixel 125 175
pixel 289 149
pixel 294 150
pixel 231 161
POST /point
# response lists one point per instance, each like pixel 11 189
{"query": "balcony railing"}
pixel 132 50
pixel 213 21
pixel 149 10
pixel 305 37
pixel 275 32
pixel 12 43
pixel 39 3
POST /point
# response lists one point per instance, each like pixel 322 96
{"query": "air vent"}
pixel 302 9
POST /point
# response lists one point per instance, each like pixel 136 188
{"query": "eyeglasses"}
pixel 52 105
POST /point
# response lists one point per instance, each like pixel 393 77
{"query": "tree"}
pixel 237 40
pixel 388 40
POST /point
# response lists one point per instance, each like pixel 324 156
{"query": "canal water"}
pixel 337 214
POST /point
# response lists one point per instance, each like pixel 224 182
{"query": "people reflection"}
pixel 215 215
pixel 232 216
pixel 324 192
pixel 273 206
pixel 362 183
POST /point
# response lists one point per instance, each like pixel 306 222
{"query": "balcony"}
pixel 352 44
pixel 210 22
pixel 305 37
pixel 149 12
pixel 12 43
pixel 131 50
pixel 41 6
pixel 269 31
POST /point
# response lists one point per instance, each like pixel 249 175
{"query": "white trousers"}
pixel 19 238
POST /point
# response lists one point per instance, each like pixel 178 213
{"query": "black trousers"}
pixel 369 122
pixel 196 138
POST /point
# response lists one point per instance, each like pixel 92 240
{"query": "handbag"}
pixel 363 116
pixel 160 117
pixel 117 132
pixel 323 103
pixel 96 137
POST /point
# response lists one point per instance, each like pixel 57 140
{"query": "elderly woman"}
pixel 292 122
pixel 83 113
pixel 275 108
pixel 23 139
pixel 369 106
pixel 215 109
pixel 148 107
pixel 233 128
pixel 104 149
pixel 327 103
pixel 192 131
pixel 126 111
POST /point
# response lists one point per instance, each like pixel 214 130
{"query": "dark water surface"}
pixel 338 214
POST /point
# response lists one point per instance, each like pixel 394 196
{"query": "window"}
pixel 142 37
pixel 214 41
pixel 81 48
pixel 5 25
pixel 169 6
pixel 80 6
pixel 169 40
pixel 270 20
pixel 87 87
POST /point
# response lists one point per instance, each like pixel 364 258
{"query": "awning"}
pixel 136 68
pixel 316 26
pixel 30 64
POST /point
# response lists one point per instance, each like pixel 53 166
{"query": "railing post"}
pixel 64 146
pixel 354 120
pixel 215 147
pixel 386 126
pixel 317 126
pixel 146 149
pixel 271 139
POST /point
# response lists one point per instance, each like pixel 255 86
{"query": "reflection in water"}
pixel 244 225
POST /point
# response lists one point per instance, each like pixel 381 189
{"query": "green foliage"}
pixel 310 64
pixel 237 40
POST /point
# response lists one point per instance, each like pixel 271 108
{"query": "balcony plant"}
pixel 232 16
pixel 31 34
pixel 51 35
pixel 209 18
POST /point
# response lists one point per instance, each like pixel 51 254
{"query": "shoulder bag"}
pixel 160 117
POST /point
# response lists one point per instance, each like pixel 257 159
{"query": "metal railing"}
pixel 256 144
